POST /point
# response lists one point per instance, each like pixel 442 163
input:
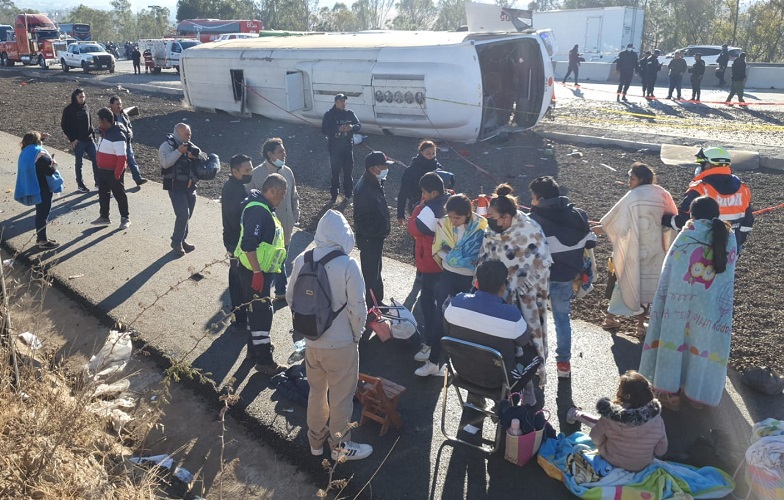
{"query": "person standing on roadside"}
pixel 176 155
pixel 568 235
pixel 77 125
pixel 261 253
pixel 339 125
pixel 738 78
pixel 232 196
pixel 574 65
pixel 371 222
pixel 626 65
pixel 652 73
pixel 332 360
pixel 675 70
pixel 697 71
pixel 34 168
pixel 111 168
pixel 643 70
pixel 121 117
pixel 410 193
pixel 723 61
pixel 137 60
pixel 288 211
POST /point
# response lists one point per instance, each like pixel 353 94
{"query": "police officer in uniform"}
pixel 340 125
pixel 715 179
pixel 261 252
pixel 626 65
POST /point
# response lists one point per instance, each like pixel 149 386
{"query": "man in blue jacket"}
pixel 568 235
pixel 340 125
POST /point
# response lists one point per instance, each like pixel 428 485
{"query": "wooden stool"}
pixel 379 398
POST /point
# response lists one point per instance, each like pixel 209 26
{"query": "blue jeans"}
pixel 427 301
pixel 561 302
pixel 281 281
pixel 82 147
pixel 130 160
pixel 183 203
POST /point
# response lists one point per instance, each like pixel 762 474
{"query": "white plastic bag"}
pixel 112 357
pixel 404 327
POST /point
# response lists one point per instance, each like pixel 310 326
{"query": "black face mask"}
pixel 494 225
pixel 247 178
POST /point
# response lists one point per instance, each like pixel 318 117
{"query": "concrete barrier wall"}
pixel 759 77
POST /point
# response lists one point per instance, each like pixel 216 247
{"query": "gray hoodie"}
pixel 345 281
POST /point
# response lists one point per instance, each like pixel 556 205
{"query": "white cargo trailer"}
pixel 452 85
pixel 600 33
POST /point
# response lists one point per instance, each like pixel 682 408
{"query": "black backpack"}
pixel 311 305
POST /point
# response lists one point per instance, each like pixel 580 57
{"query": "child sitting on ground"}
pixel 629 430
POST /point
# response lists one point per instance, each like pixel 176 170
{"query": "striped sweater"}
pixel 111 150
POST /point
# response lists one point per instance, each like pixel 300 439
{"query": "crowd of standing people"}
pixel 504 264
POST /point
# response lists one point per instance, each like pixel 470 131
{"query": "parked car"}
pixel 709 54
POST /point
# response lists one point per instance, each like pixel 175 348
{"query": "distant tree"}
pixel 124 20
pixel 415 15
pixel 8 12
pixel 339 18
pixel 219 9
pixel 451 15
pixel 153 23
pixel 100 21
pixel 294 15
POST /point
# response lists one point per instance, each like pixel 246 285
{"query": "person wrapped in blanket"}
pixel 628 432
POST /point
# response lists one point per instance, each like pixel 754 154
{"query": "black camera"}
pixel 193 149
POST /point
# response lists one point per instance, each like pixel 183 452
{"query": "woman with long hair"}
pixel 687 346
pixel 517 241
pixel 32 188
pixel 639 243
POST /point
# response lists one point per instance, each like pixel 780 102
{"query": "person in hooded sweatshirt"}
pixel 410 193
pixel 568 235
pixel 332 360
pixel 630 430
pixel 288 211
pixel 78 127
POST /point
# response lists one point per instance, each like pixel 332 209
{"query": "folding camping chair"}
pixel 493 382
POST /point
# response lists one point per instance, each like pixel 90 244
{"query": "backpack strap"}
pixel 323 262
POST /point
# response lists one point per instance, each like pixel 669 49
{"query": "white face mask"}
pixel 279 163
pixel 383 175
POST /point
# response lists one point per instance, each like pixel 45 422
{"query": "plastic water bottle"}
pixel 299 352
pixel 514 429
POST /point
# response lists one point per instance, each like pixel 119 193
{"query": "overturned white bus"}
pixel 453 85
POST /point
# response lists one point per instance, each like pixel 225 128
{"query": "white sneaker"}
pixel 423 354
pixel 351 451
pixel 430 369
pixel 317 452
pixel 124 223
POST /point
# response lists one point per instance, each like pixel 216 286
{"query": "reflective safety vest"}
pixel 733 206
pixel 271 256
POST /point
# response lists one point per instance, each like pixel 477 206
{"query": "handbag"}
pixel 521 449
pixel 55 182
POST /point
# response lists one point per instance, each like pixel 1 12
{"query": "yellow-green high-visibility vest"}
pixel 271 256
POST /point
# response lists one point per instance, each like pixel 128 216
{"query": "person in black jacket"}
pixel 652 67
pixel 78 127
pixel 372 222
pixel 340 125
pixel 137 60
pixel 697 71
pixel 723 61
pixel 626 65
pixel 574 65
pixel 232 195
pixel 738 78
pixel 410 193
pixel 568 235
pixel 642 67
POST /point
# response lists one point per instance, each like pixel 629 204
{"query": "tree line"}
pixel 669 24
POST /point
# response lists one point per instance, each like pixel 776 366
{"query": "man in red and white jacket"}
pixel 111 168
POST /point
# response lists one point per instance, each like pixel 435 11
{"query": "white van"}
pixel 165 52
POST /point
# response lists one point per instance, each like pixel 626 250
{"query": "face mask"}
pixel 279 163
pixel 494 225
pixel 247 178
pixel 383 175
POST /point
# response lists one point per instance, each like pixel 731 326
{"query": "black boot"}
pixel 262 356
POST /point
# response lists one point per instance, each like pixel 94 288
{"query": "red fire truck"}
pixel 30 42
pixel 208 30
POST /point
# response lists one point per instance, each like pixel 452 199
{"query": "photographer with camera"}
pixel 178 157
